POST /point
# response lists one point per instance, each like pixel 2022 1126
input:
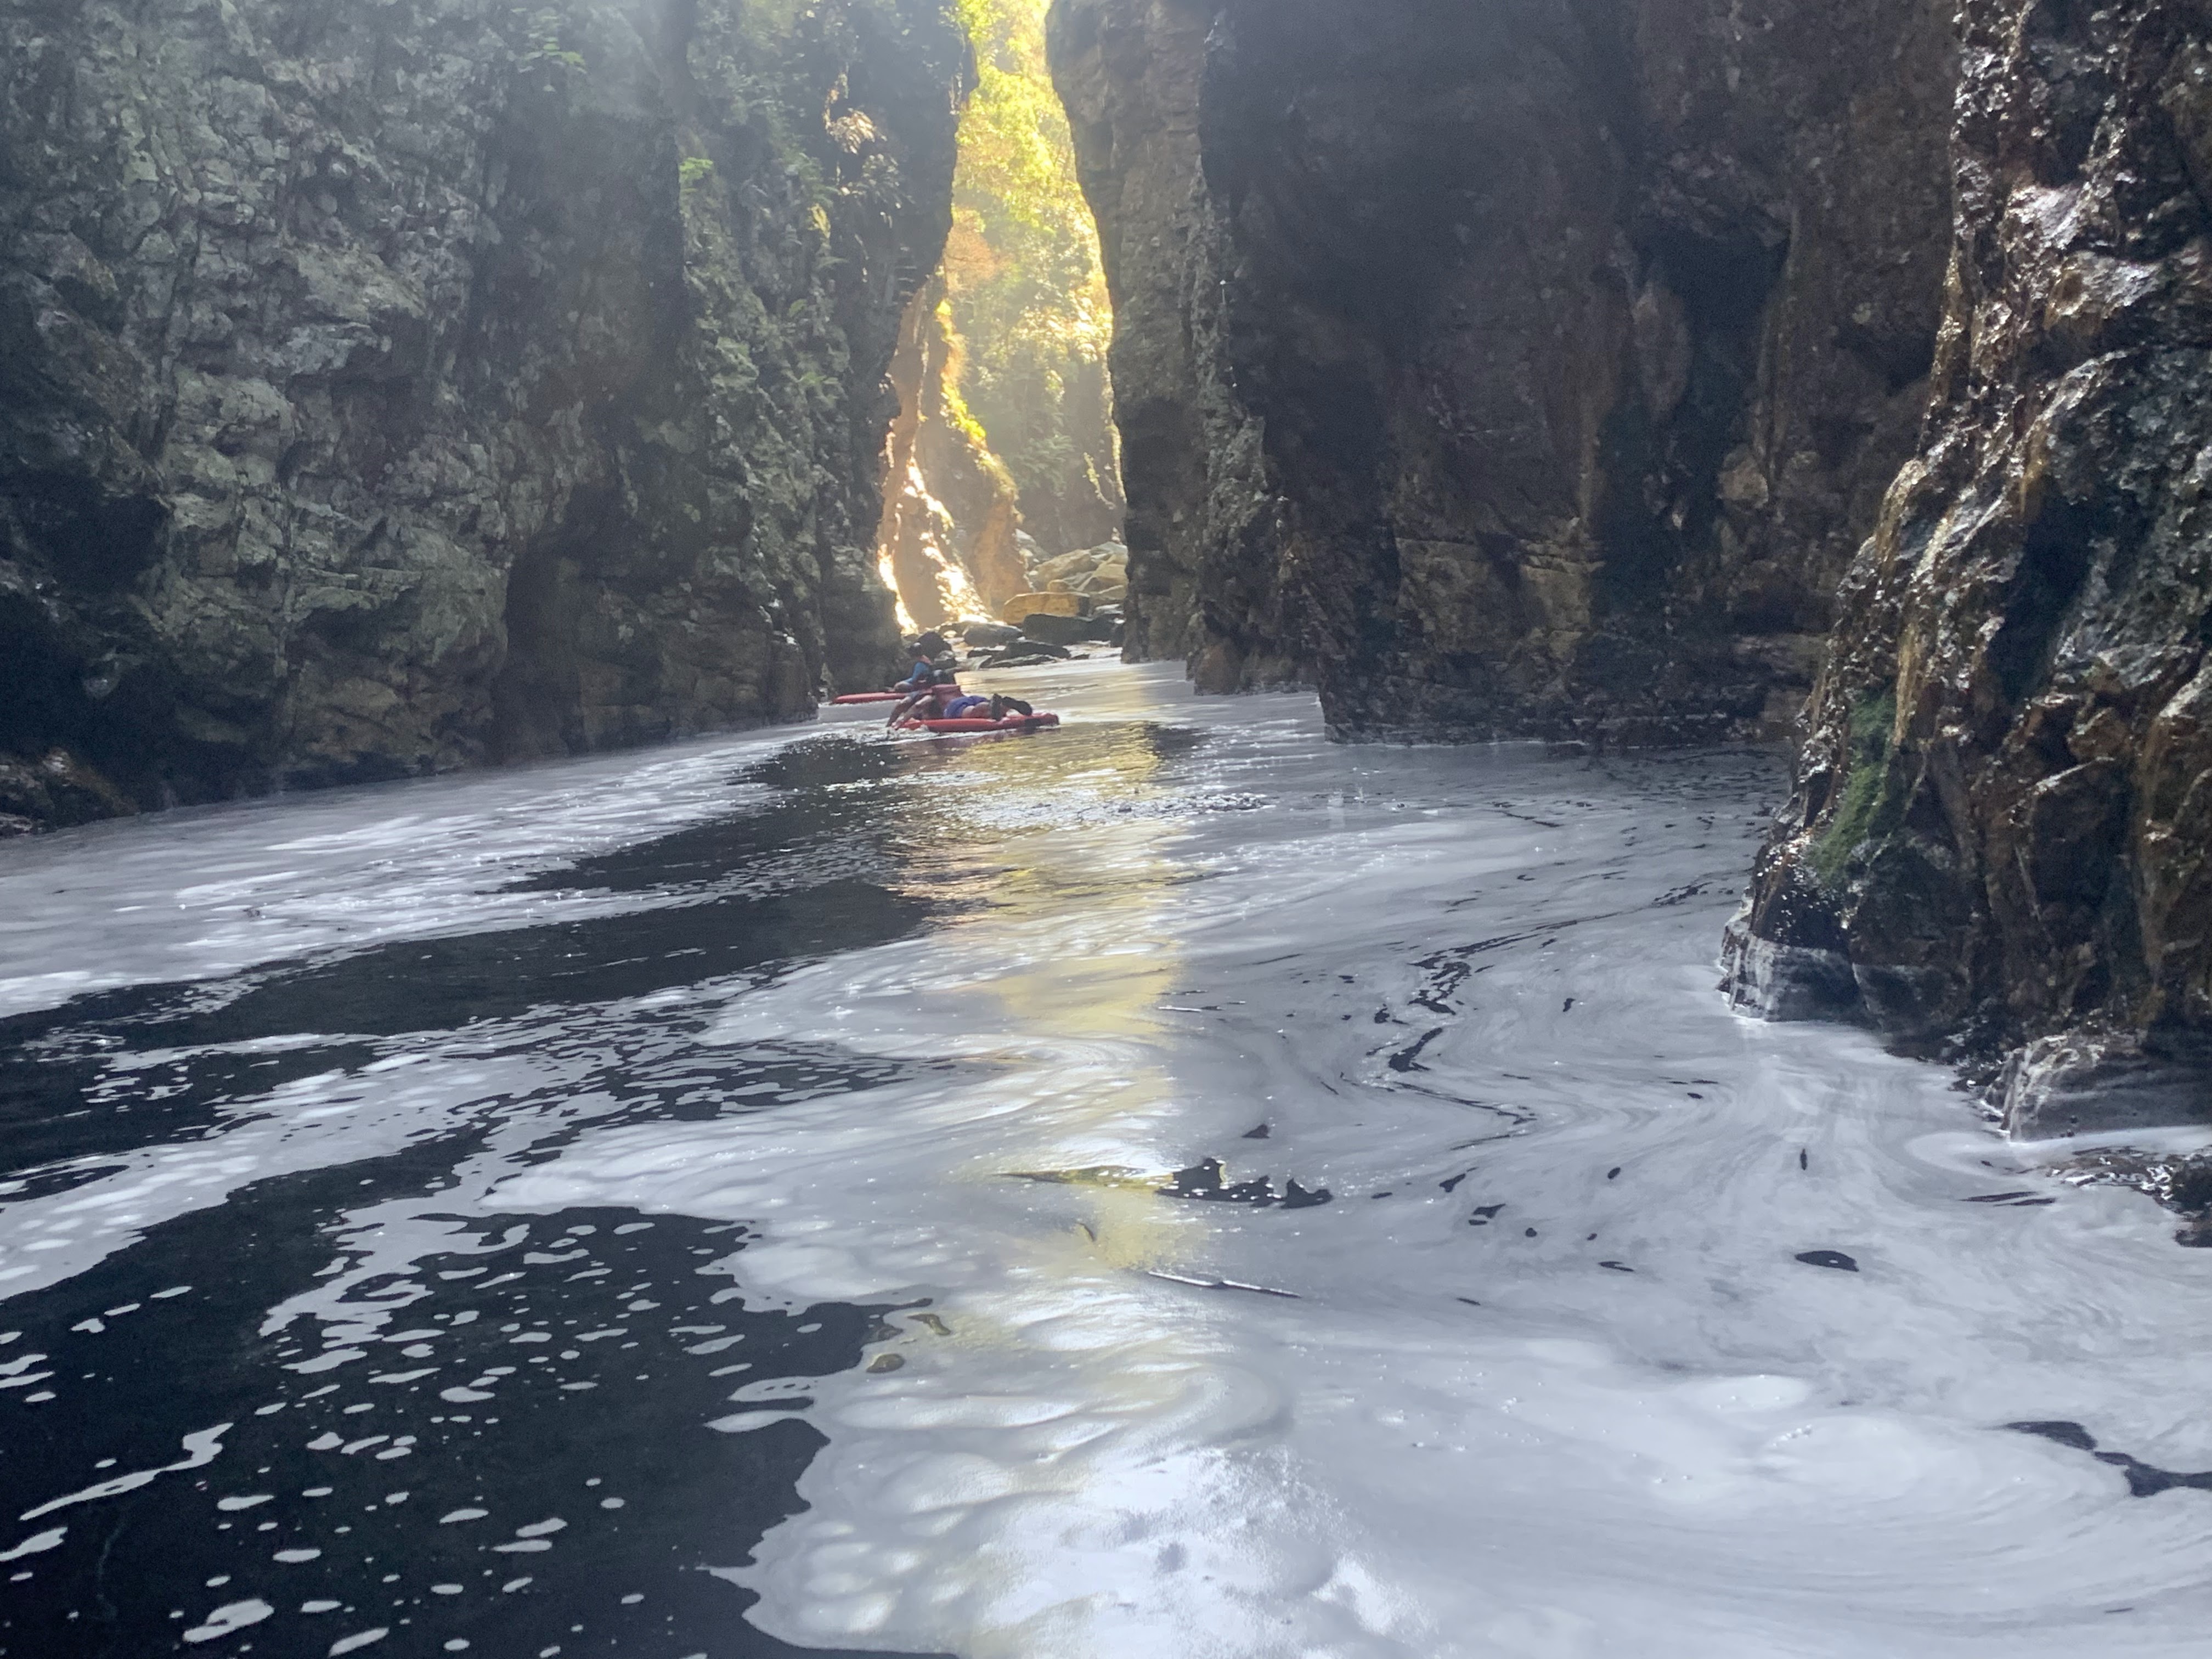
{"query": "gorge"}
pixel 1622 374
pixel 1590 1033
pixel 452 388
pixel 454 385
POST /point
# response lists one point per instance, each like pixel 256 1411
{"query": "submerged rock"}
pixel 388 389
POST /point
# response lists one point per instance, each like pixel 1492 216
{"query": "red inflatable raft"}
pixel 1011 723
pixel 885 698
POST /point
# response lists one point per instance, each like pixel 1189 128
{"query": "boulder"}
pixel 1023 606
pixel 1068 567
pixel 1057 630
pixel 1027 653
pixel 981 635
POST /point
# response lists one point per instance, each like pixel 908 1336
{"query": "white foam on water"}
pixel 1546 1376
pixel 37 1543
pixel 231 1617
pixel 200 1448
pixel 197 894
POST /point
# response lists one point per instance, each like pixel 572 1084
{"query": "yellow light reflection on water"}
pixel 1090 976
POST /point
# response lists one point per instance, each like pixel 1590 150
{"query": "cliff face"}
pixel 2004 811
pixel 949 544
pixel 384 389
pixel 1522 369
pixel 1127 71
pixel 1590 368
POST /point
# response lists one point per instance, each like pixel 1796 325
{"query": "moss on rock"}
pixel 389 389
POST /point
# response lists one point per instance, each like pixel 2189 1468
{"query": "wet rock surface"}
pixel 386 391
pixel 1998 841
pixel 1512 370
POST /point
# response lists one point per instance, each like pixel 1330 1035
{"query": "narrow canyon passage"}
pixel 1171 1186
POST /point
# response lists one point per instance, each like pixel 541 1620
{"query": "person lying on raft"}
pixel 978 708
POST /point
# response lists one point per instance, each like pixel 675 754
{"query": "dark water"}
pixel 511 1453
pixel 1167 1186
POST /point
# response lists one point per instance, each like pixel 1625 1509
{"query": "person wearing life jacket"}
pixel 932 663
pixel 975 707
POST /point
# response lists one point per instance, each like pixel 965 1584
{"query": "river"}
pixel 1166 1186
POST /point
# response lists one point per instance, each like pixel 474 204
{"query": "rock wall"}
pixel 949 546
pixel 1127 71
pixel 1607 369
pixel 1529 368
pixel 389 388
pixel 2002 840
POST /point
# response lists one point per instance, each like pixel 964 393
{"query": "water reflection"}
pixel 385 1398
pixel 433 1451
pixel 909 1106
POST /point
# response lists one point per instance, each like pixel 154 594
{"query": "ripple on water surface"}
pixel 327 1412
pixel 511 1442
pixel 1171 1185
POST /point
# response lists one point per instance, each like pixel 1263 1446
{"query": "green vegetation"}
pixel 956 404
pixel 1025 290
pixel 547 51
pixel 1869 794
pixel 694 171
